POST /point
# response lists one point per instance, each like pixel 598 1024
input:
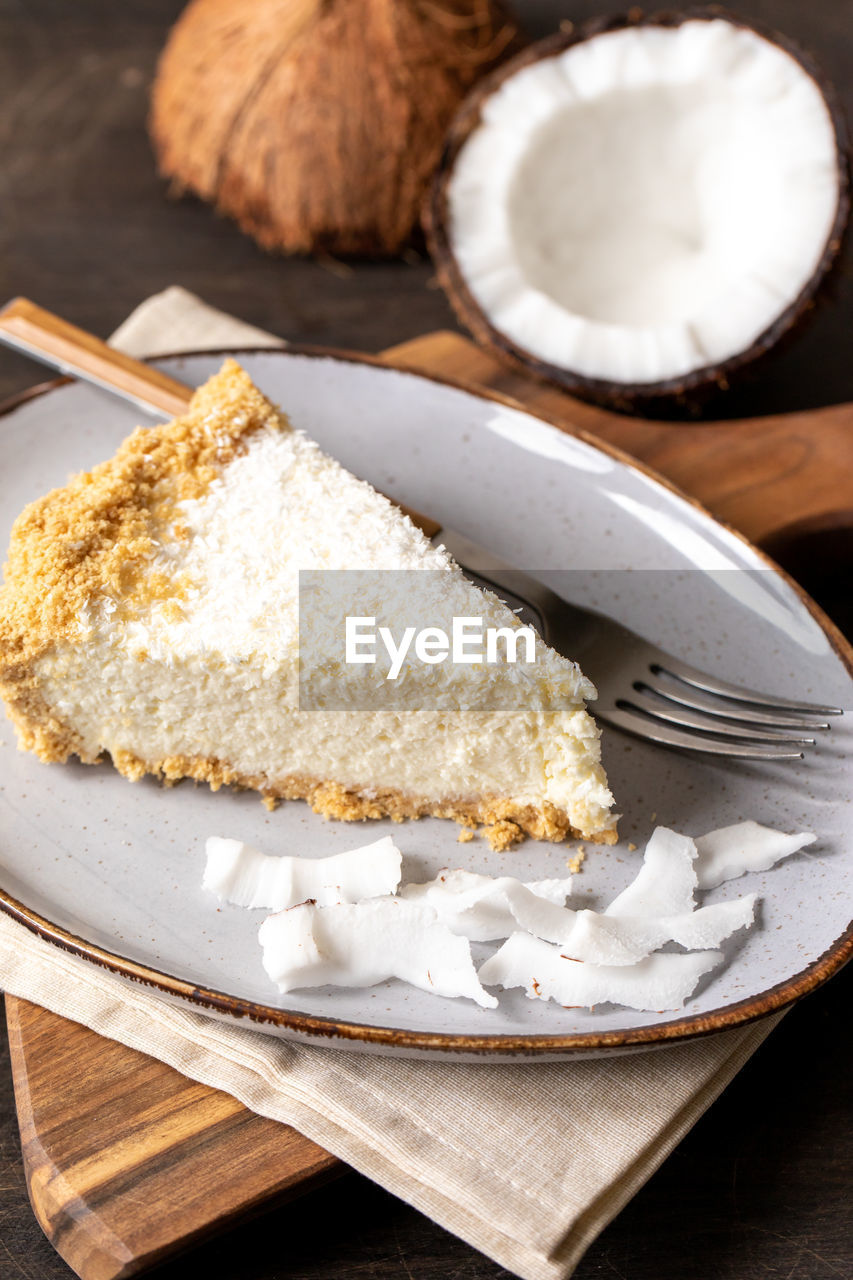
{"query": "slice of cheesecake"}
pixel 151 610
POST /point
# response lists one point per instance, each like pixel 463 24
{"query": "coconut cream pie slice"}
pixel 151 610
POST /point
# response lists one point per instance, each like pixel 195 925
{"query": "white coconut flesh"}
pixel 648 202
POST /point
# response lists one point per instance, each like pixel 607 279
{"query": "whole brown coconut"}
pixel 317 124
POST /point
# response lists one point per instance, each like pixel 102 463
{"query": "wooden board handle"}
pixel 127 1161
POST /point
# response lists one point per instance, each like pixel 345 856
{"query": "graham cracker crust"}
pixel 504 821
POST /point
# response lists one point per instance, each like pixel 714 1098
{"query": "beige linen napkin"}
pixel 528 1163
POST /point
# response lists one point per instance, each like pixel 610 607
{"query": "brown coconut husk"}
pixel 317 124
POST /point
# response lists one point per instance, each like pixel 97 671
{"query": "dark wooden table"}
pixel 762 1186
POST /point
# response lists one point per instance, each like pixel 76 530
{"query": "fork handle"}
pixel 52 340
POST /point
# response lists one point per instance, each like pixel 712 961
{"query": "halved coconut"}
pixel 639 207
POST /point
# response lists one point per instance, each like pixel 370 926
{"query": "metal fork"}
pixel 642 689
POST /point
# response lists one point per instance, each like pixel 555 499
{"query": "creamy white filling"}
pixel 648 201
pixel 199 707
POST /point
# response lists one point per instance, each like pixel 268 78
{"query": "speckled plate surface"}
pixel 113 869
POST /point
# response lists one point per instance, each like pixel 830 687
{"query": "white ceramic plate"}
pixel 114 869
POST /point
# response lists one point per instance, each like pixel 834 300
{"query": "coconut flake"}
pixel 484 908
pixel 359 945
pixel 747 846
pixel 622 940
pixel 556 890
pixel 662 981
pixel 245 877
pixel 667 881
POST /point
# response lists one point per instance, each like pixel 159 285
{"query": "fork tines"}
pixel 680 706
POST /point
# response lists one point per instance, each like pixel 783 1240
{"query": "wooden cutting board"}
pixel 127 1162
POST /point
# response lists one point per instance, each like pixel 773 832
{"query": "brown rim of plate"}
pixel 638 396
pixel 330 1030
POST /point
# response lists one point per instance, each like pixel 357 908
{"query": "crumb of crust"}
pixel 632 848
pixel 502 835
pixel 466 835
pixel 576 862
pixel 95 537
